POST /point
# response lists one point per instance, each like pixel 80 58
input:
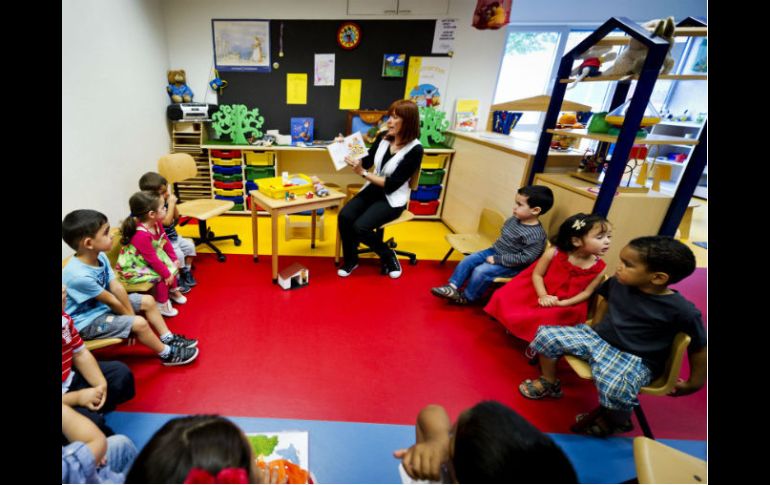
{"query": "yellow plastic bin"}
pixel 273 187
pixel 226 162
pixel 259 158
pixel 432 161
pixel 229 193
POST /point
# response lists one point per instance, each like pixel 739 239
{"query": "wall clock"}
pixel 349 35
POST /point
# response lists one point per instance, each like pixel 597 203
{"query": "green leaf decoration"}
pixel 432 123
pixel 237 121
pixel 263 444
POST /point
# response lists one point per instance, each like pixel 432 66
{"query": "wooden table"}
pixel 277 207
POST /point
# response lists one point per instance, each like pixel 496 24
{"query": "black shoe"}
pixel 180 356
pixel 181 286
pixel 187 278
pixel 346 269
pixel 181 341
pixel 392 265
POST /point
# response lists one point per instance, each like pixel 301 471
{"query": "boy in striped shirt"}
pixel 521 242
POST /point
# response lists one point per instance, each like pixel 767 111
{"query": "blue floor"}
pixel 343 452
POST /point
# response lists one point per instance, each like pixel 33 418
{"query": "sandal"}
pixel 445 291
pixel 527 389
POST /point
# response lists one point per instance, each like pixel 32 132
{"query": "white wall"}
pixel 114 62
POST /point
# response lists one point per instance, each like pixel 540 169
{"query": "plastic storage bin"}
pixel 237 200
pixel 228 185
pixel 425 193
pixel 251 186
pixel 253 173
pixel 226 162
pixel 418 208
pixel 431 176
pixel 260 158
pixel 248 204
pixel 273 186
pixel 226 170
pixel 434 160
pixel 227 178
pixel 236 192
pixel 226 153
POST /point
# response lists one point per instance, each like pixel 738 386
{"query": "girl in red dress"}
pixel 555 289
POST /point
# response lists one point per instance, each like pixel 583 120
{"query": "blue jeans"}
pixel 120 453
pixel 479 273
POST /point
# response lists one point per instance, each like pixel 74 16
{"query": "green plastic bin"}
pixel 431 176
pixel 256 172
pixel 228 178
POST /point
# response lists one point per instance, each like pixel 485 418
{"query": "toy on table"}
pixel 592 61
pixel 320 189
pixel 177 89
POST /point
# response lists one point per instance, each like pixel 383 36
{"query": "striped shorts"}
pixel 618 375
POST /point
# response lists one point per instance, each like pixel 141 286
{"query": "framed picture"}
pixel 393 65
pixel 241 45
pixel 366 122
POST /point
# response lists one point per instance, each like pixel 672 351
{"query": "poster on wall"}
pixel 323 72
pixel 426 80
pixel 241 45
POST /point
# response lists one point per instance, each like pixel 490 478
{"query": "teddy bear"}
pixel 631 60
pixel 592 59
pixel 178 91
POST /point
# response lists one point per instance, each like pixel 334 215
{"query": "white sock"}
pixel 165 351
pixel 166 337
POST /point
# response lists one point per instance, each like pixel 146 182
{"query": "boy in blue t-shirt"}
pixel 97 302
pixel 629 347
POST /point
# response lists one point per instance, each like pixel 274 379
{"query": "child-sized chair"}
pixel 659 387
pixel 659 463
pixel 490 224
pixel 177 167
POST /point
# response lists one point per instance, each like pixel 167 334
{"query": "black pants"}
pixel 120 388
pixel 358 219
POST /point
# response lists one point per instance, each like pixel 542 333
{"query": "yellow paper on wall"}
pixel 296 88
pixel 350 94
pixel 412 75
pixel 467 106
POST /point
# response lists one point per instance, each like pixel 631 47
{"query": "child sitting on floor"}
pixel 521 242
pixel 555 291
pixel 629 347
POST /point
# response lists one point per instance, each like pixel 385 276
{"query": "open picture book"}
pixel 352 146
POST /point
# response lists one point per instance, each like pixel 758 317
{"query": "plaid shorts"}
pixel 618 375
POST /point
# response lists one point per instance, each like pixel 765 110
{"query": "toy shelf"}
pixel 678 77
pixel 678 32
pixel 648 140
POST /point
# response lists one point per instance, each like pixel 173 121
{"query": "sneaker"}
pixel 445 291
pixel 180 356
pixel 187 278
pixel 183 288
pixel 167 310
pixel 392 265
pixel 180 340
pixel 346 269
pixel 179 300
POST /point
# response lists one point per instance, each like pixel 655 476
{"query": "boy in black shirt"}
pixel 628 348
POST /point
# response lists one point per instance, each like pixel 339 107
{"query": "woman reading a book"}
pixel 393 158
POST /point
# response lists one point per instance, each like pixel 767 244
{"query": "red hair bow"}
pixel 225 475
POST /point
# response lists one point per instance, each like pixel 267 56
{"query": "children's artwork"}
pixel 301 130
pixel 241 45
pixel 352 146
pixel 324 70
pixel 287 445
pixel 426 80
pixel 393 65
pixel 491 14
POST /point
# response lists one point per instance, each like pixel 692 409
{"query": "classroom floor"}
pixel 277 360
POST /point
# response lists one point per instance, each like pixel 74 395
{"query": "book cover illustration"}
pixel 287 445
pixel 352 146
pixel 466 121
pixel 393 65
pixel 301 130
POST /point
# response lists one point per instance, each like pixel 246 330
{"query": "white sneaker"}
pixel 167 310
pixel 179 300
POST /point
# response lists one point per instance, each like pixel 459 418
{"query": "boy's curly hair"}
pixel 666 255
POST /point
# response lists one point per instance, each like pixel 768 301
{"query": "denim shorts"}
pixel 110 325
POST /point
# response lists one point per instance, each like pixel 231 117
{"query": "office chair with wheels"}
pixel 177 167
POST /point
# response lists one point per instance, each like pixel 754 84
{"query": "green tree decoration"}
pixel 432 123
pixel 236 120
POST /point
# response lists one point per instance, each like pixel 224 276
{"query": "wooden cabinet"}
pixel 398 7
pixel 187 137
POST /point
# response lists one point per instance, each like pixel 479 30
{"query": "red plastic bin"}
pixel 228 185
pixel 418 208
pixel 248 204
pixel 226 153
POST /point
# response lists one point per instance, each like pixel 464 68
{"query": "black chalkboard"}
pixel 302 39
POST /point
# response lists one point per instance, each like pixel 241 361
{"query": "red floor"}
pixel 365 348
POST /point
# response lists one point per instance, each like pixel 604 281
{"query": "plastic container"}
pixel 237 207
pixel 437 160
pixel 226 153
pixel 425 193
pixel 228 178
pixel 236 192
pixel 226 162
pixel 253 173
pixel 248 204
pixel 431 176
pixel 418 208
pixel 228 185
pixel 259 158
pixel 237 200
pixel 251 186
pixel 226 170
pixel 273 187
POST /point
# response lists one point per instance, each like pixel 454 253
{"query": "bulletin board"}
pixel 302 39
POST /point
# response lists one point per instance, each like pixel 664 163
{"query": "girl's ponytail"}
pixel 141 203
